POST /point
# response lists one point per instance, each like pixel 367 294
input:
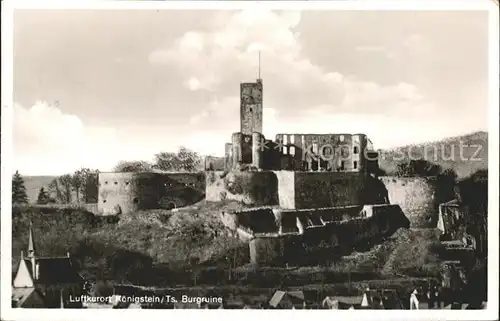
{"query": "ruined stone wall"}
pixel 228 157
pixel 342 152
pixel 181 189
pixel 328 189
pixel 258 150
pixel 268 251
pixel 417 198
pixel 254 188
pixel 295 190
pixel 286 188
pixel 129 192
pixel 126 192
pixel 317 242
pixel 241 149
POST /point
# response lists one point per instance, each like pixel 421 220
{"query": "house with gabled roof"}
pixel 27 298
pixel 54 279
pixel 288 300
pixel 341 302
pixel 386 299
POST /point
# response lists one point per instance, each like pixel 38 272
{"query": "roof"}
pixel 347 300
pixel 295 296
pixel 386 299
pixel 19 295
pixel 54 270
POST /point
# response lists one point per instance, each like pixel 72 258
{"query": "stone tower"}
pixel 251 107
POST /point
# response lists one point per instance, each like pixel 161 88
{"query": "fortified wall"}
pixel 278 236
pixel 417 197
pixel 128 192
pixel 295 190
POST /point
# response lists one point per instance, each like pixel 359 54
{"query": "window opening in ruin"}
pixel 344 152
pixel 355 151
pixel 341 138
pixel 342 165
pixel 315 148
pixel 292 139
pixel 285 140
pixel 104 201
pixel 116 183
pixel 250 109
pixel 106 182
pixel 126 183
pixel 284 150
pixel 292 150
pixel 355 164
pixel 135 200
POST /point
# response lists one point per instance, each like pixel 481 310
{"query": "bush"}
pixel 419 168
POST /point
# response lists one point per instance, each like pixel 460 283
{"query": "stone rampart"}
pixel 417 197
pixel 255 188
pixel 128 192
pixel 291 244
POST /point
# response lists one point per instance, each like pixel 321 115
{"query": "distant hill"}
pixel 465 154
pixel 33 185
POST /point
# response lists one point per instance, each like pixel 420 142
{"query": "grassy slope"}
pixel 446 148
pixel 194 239
pixel 174 239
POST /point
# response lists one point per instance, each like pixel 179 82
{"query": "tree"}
pixel 446 182
pixel 419 167
pixel 84 183
pixel 90 185
pixel 19 195
pixel 184 160
pixel 43 197
pixel 76 184
pixel 55 190
pixel 65 183
pixel 133 166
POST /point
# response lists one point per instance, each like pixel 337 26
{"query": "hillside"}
pixel 111 247
pixel 172 248
pixel 33 185
pixel 446 153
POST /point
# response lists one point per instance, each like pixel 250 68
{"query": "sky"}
pixel 94 87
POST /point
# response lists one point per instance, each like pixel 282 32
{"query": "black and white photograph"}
pixel 250 155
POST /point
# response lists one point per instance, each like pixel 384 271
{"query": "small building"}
pixel 27 298
pixel 288 300
pixel 386 299
pixel 342 302
pixel 54 279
